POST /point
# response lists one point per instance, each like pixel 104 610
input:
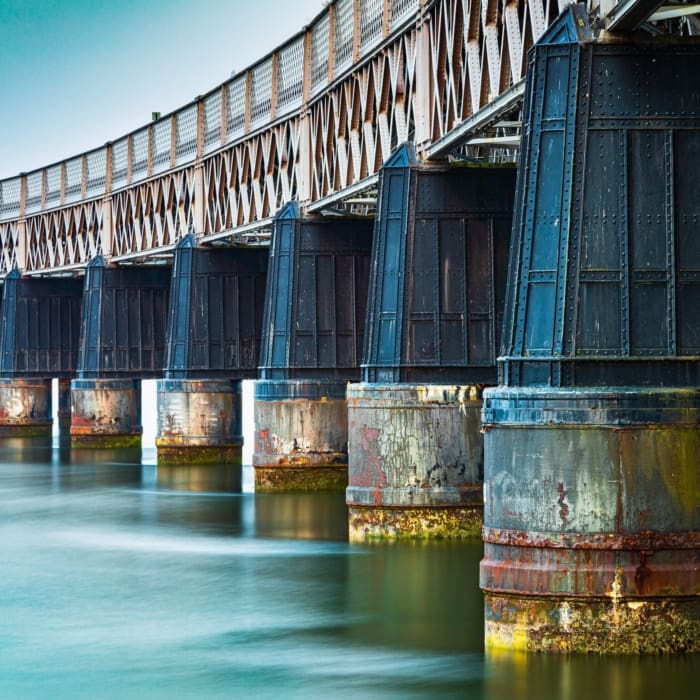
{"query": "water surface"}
pixel 115 588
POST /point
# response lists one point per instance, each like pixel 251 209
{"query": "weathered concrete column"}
pixel 314 317
pixel 301 435
pixel 214 322
pixel 121 342
pixel 592 445
pixel 38 341
pixel 106 413
pixel 199 421
pixel 25 408
pixel 437 285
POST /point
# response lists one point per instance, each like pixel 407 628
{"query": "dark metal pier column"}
pixel 39 336
pixel 437 287
pixel 312 341
pixel 214 327
pixel 122 342
pixel 592 445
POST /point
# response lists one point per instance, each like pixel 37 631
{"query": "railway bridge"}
pixel 455 242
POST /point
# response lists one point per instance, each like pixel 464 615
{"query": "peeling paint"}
pixel 414 447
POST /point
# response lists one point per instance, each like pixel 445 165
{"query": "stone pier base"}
pixel 415 461
pixel 25 408
pixel 301 436
pixel 105 413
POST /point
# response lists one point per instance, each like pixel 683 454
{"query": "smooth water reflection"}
pixel 116 588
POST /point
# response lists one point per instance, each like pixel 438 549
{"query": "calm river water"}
pixel 115 588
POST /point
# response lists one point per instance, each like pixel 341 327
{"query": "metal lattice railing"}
pixel 290 76
pixel 212 122
pixel 120 163
pixel 371 24
pixel 319 54
pixel 186 135
pixel 235 108
pixel 261 93
pixel 96 172
pixel 160 144
pixel 74 180
pixel 139 155
pixel 343 32
pixel 10 196
pixel 313 120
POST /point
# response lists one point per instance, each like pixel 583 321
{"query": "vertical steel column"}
pixel 213 338
pixel 437 286
pixel 314 318
pixel 592 447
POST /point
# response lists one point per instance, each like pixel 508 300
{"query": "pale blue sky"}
pixel 77 73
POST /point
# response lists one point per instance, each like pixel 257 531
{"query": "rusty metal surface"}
pixel 576 477
pixel 105 413
pixel 199 421
pixel 413 447
pixel 591 496
pixel 25 407
pixel 301 435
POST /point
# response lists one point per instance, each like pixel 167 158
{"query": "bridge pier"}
pixel 314 316
pixel 106 413
pixel 437 285
pixel 38 341
pixel 122 342
pixel 214 322
pixel 25 407
pixel 591 439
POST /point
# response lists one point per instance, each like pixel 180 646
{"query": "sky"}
pixel 75 74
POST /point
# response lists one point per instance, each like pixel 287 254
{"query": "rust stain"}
pixel 642 572
pixel 563 507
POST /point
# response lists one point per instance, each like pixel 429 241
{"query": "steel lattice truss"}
pixel 313 122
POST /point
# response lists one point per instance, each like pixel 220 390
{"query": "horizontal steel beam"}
pixel 465 131
pixel 627 15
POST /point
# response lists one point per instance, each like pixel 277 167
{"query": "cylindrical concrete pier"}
pixel 594 546
pixel 301 438
pixel 105 413
pixel 25 408
pixel 199 423
pixel 415 461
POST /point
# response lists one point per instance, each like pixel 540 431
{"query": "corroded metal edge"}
pixel 596 625
pixel 646 540
pixel 446 522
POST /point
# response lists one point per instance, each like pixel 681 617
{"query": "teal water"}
pixel 115 588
